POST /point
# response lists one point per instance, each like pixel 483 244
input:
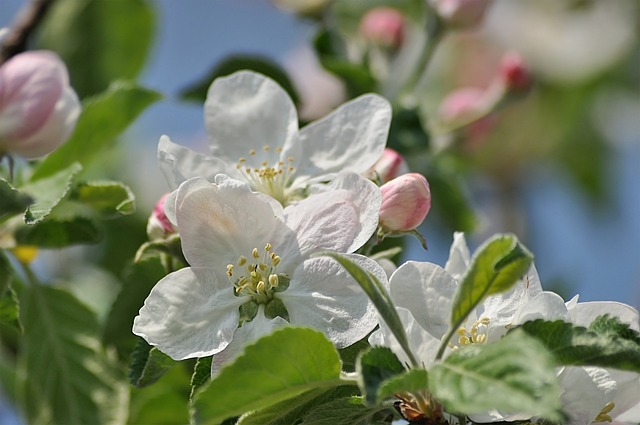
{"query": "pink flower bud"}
pixel 38 108
pixel 159 226
pixel 462 104
pixel 461 13
pixel 383 26
pixel 514 73
pixel 406 200
pixel 390 165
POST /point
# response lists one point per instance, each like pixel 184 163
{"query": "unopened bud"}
pixel 38 108
pixel 514 73
pixel 406 200
pixel 383 26
pixel 390 165
pixel 461 13
pixel 159 226
pixel 462 105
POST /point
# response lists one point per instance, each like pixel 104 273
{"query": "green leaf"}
pixel 514 375
pixel 52 233
pixel 413 380
pixel 201 374
pixel 139 279
pixel 292 411
pixel 12 201
pixel 48 193
pixel 495 267
pixel 172 245
pixel 277 367
pixel 348 411
pixel 198 91
pixel 103 118
pixel 110 199
pixel 76 382
pixel 100 41
pixel 611 325
pixel 378 296
pixel 375 366
pixel 9 310
pixel 349 355
pixel 165 403
pixel 148 364
pixel 577 346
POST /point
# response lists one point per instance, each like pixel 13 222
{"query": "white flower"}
pixel 590 394
pixel 423 295
pixel 251 266
pixel 253 129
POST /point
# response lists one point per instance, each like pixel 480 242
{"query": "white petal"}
pixel 583 314
pixel 459 257
pixel 352 138
pixel 547 306
pixel 586 391
pixel 323 296
pixel 189 313
pixel 248 333
pixel 179 164
pixel 341 219
pixel 426 290
pixel 219 223
pixel 627 396
pixel 247 111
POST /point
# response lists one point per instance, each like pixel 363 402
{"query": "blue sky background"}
pixel 596 252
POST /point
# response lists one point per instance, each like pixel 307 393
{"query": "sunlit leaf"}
pixel 109 199
pixel 148 364
pixel 348 411
pixel 49 192
pixel 375 366
pixel 12 201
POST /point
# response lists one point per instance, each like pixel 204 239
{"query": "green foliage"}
pixel 349 355
pixel 9 310
pixel 49 192
pixel 198 91
pixel 109 199
pixel 148 364
pixel 513 375
pixel 411 381
pixel 52 233
pixel 292 411
pixel 100 41
pixel 612 326
pixel 201 374
pixel 103 118
pixel 139 279
pixel 76 381
pixel 348 411
pixel 495 267
pixel 12 201
pixel 303 358
pixel 378 296
pixel 375 366
pixel 608 345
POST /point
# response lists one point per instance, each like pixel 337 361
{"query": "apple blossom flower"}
pixel 461 13
pixel 158 225
pixel 406 200
pixel 38 108
pixel 251 263
pixel 389 166
pixel 383 26
pixel 514 73
pixel 253 129
pixel 423 295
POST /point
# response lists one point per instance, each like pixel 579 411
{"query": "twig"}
pixel 22 28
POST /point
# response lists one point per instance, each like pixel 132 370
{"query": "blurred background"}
pixel 559 166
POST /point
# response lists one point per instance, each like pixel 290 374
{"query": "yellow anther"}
pixel 25 253
pixel 604 416
pixel 485 321
pixel 290 159
pixel 262 266
pixel 242 160
pixel 264 163
pixel 242 261
pixel 229 270
pixel 464 340
pixel 255 253
pixel 254 275
pixel 276 260
pixel 273 280
pixel 291 168
pixel 266 148
pixel 267 247
pixel 480 339
pixel 278 149
pixel 260 286
pixel 248 170
pixel 252 152
pixel 461 331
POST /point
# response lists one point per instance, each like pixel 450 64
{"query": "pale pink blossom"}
pixel 158 225
pixel 383 26
pixel 390 165
pixel 514 73
pixel 406 200
pixel 38 108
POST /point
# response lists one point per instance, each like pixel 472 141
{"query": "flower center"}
pixel 604 416
pixel 257 278
pixel 477 334
pixel 268 178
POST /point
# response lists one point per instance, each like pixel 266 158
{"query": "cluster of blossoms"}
pixel 254 213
